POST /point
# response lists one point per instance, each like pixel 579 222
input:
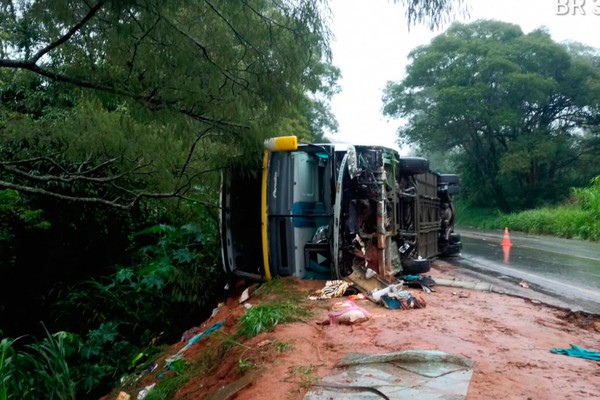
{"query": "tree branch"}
pixel 91 200
pixel 68 35
pixel 69 178
pixel 236 79
pixel 151 101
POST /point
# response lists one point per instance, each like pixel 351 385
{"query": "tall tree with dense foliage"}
pixel 108 107
pixel 81 80
pixel 519 113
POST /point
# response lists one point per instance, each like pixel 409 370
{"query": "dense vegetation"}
pixel 115 120
pixel 116 117
pixel 578 218
pixel 516 114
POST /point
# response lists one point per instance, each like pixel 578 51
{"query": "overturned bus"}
pixel 322 211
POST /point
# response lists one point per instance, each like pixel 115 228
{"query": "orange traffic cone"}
pixel 506 238
pixel 506 251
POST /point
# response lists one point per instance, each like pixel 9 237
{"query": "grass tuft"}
pixel 577 219
pixel 265 317
pixel 307 374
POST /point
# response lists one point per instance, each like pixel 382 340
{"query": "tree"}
pixel 516 111
pixel 216 74
pixel 108 107
pixel 432 12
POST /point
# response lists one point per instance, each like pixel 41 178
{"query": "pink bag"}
pixel 346 312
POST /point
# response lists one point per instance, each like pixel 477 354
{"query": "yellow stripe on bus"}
pixel 263 216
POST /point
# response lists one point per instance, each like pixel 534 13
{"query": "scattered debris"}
pixel 410 374
pixel 123 396
pixel 264 343
pixel 247 292
pixel 144 392
pixel 216 310
pixel 191 341
pixel 359 279
pixel 369 273
pixel 419 281
pixel 358 296
pixel 482 286
pixel 346 313
pixel 580 352
pixel 461 294
pixel 190 333
pixel 172 359
pixel 199 336
pixel 245 295
pixel 403 300
pixel 376 294
pixel 332 289
pixel 524 284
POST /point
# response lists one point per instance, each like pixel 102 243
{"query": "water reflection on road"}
pixel 565 268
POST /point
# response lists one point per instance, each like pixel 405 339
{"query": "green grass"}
pixel 266 317
pixel 38 370
pixel 577 219
pixel 244 365
pixel 6 374
pixel 282 347
pixel 168 386
pixel 307 374
pixel 284 305
pixel 474 217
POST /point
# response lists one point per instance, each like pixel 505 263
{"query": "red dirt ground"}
pixel 508 337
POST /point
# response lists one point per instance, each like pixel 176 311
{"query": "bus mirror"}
pixel 282 143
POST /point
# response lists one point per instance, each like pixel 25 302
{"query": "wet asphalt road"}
pixel 568 270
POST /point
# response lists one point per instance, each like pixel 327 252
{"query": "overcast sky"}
pixel 372 42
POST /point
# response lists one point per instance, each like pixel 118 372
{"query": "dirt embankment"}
pixel 509 339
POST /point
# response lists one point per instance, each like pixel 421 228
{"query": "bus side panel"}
pixel 279 201
pixel 428 212
pixel 240 224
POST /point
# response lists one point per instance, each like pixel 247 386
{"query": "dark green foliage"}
pixel 40 370
pixel 516 113
pixel 175 281
pixel 16 217
pixel 62 365
pixel 588 199
pixel 434 13
pixel 106 111
pixel 577 218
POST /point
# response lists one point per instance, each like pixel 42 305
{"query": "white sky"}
pixel 372 42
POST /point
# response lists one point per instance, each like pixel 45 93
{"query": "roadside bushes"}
pixel 173 283
pixel 577 219
pixel 38 371
pixel 589 198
